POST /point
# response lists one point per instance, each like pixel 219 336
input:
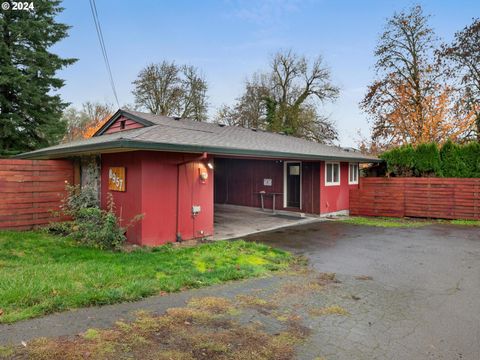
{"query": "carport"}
pixel 233 221
pixel 174 170
pixel 293 185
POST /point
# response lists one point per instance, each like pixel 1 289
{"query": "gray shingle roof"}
pixel 169 134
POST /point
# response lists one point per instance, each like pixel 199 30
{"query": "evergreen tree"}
pixel 30 110
pixel 452 163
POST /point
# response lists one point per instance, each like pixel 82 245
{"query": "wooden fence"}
pixel 30 190
pixel 444 198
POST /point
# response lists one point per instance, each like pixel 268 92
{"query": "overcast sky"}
pixel 231 39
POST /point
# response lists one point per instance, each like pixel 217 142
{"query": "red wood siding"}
pixel 446 198
pixel 30 190
pixel 238 182
pixel 129 125
pixel 151 189
pixel 129 203
pixel 335 197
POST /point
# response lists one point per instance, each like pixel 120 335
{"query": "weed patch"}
pixel 6 351
pixel 256 302
pixel 363 277
pixel 392 222
pixel 212 304
pixel 388 222
pixel 328 310
pixel 465 222
pixel 174 335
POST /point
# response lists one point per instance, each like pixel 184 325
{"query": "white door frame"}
pixel 285 167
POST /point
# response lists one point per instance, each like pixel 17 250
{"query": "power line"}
pixel 98 28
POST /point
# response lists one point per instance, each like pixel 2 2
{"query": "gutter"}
pixel 126 144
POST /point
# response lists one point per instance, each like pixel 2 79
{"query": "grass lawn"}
pixel 392 222
pixel 465 222
pixel 41 273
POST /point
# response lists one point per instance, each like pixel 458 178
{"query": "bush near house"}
pixel 90 225
pixel 41 273
pixel 449 160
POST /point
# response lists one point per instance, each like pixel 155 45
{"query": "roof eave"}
pixel 214 150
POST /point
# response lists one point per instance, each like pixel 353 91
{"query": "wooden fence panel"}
pixel 30 190
pixel 444 198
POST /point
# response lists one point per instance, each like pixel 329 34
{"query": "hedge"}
pixel 449 160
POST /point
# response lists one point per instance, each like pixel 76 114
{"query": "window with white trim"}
pixel 353 173
pixel 332 173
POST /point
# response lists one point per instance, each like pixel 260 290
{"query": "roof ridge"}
pixel 226 127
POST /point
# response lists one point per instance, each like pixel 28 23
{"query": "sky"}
pixel 228 40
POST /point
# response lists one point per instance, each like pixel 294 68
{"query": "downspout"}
pixel 178 236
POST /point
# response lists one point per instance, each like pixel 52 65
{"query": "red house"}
pixel 174 170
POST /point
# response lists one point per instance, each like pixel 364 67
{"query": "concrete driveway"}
pixel 423 299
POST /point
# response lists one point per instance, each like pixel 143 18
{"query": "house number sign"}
pixel 116 179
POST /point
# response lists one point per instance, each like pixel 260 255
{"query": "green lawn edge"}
pixel 394 222
pixel 41 273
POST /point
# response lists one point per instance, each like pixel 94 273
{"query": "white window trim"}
pixel 358 174
pixel 336 183
pixel 285 167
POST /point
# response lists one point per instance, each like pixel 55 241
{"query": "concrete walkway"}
pixel 233 221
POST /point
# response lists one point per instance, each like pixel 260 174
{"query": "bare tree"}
pixel 172 90
pixel 97 112
pixel 287 99
pixel 250 109
pixel 297 86
pixel 462 57
pixel 226 116
pixel 193 102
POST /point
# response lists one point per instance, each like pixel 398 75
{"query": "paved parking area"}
pixel 423 301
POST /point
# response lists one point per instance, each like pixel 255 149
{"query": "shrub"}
pixel 63 228
pixel 90 225
pixel 98 228
pixel 470 155
pixel 79 198
pixel 451 160
pixel 400 161
pixel 427 160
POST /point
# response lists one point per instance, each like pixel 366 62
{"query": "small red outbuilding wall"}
pixel 335 198
pixel 151 190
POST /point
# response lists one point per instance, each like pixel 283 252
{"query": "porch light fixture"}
pixel 210 165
